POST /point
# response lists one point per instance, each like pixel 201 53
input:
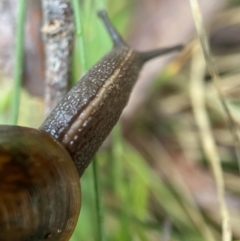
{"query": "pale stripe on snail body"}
pixel 47 202
pixel 87 114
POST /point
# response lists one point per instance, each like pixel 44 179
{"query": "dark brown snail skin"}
pixel 86 115
pixel 40 169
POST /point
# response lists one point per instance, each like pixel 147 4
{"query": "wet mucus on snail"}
pixel 40 168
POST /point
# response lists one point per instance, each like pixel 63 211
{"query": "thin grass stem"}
pixel 215 76
pixel 79 34
pixel 204 126
pixel 19 49
pixel 99 204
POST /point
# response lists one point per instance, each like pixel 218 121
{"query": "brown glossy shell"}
pixel 39 187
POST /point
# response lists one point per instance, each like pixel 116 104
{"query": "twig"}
pixel 214 74
pixel 201 117
pixel 58 35
pixel 209 146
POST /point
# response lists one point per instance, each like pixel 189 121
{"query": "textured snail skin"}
pixel 39 187
pixel 87 114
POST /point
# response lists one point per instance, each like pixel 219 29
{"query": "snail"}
pixel 40 168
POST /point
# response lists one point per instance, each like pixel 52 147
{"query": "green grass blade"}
pixel 99 205
pixel 79 34
pixel 19 48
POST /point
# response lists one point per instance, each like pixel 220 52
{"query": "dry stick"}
pixel 214 74
pixel 197 90
pixel 58 35
pixel 215 160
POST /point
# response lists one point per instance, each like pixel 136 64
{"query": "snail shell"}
pixel 39 187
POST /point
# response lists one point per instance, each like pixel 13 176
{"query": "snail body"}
pixel 40 169
pixel 86 115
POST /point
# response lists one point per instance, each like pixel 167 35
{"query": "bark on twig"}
pixel 58 34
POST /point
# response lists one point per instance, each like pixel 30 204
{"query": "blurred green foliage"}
pixel 138 203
